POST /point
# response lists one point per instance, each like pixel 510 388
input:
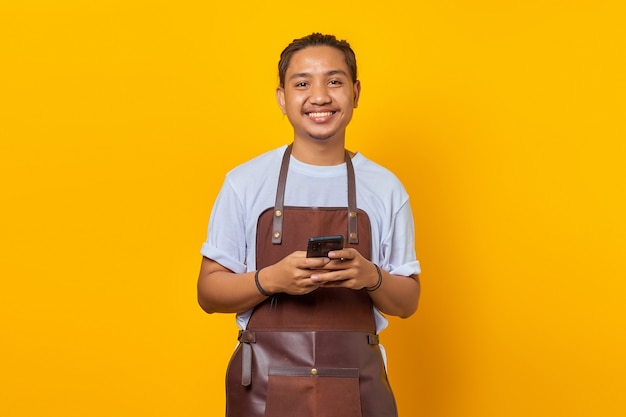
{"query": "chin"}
pixel 321 136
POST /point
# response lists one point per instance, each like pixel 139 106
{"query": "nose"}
pixel 319 94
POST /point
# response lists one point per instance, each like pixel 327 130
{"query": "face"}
pixel 319 95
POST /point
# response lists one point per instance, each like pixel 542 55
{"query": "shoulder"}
pixel 381 191
pixel 258 167
pixel 371 172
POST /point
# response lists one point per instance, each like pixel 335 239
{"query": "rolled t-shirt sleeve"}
pixel 225 243
pixel 399 246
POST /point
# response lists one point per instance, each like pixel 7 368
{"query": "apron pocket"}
pixel 313 392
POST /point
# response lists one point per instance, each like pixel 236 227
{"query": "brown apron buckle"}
pixel 372 339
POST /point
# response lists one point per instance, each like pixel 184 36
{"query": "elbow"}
pixel 206 309
pixel 408 312
pixel 206 306
pixel 403 311
pixel 206 301
pixel 412 308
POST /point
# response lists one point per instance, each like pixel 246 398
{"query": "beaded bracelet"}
pixel 379 283
pixel 258 284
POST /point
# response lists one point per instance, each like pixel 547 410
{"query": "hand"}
pixel 347 268
pixel 292 274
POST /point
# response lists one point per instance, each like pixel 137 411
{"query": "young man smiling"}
pixel 318 96
pixel 309 326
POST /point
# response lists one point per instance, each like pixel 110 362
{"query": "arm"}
pixel 222 291
pixel 398 295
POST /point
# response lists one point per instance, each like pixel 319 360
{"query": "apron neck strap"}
pixel 277 230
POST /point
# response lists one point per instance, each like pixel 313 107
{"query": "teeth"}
pixel 321 114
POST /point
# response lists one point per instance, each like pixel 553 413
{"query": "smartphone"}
pixel 319 246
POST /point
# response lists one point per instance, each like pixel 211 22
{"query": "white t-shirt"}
pixel 250 188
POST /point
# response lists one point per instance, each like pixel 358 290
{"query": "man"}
pixel 308 340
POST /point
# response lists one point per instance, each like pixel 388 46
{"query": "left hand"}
pixel 347 269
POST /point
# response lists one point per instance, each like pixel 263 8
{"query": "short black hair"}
pixel 316 39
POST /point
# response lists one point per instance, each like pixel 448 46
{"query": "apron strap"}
pixel 246 338
pixel 277 230
pixel 353 236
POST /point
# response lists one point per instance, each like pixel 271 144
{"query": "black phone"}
pixel 319 246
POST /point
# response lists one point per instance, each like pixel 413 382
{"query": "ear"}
pixel 357 93
pixel 280 98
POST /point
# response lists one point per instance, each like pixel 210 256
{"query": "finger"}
pixel 318 278
pixel 342 283
pixel 313 263
pixel 341 254
pixel 322 278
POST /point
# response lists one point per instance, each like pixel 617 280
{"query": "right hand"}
pixel 292 274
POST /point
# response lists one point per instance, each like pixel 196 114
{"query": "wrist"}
pixel 378 283
pixel 258 284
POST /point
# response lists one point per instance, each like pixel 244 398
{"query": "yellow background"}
pixel 504 120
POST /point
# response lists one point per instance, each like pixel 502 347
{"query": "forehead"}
pixel 317 59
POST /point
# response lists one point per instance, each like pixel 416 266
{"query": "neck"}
pixel 323 153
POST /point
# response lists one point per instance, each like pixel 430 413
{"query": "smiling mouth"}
pixel 320 114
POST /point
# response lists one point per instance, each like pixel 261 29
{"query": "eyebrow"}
pixel 308 75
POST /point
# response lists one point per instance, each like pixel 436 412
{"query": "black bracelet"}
pixel 258 284
pixel 380 280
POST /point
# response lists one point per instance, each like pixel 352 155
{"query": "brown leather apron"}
pixel 313 355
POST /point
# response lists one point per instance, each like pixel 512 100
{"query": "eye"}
pixel 335 82
pixel 301 84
